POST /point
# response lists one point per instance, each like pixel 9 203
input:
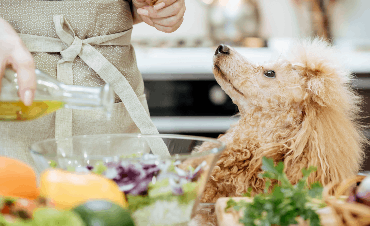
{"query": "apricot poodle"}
pixel 300 110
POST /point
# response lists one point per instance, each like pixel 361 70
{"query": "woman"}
pixel 33 31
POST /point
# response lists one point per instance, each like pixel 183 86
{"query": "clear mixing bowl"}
pixel 160 189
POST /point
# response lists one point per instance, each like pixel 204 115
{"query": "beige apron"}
pixel 86 43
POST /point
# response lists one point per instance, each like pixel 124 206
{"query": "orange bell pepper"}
pixel 69 190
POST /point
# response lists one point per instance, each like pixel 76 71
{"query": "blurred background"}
pixel 183 96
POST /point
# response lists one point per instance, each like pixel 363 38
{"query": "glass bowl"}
pixel 160 189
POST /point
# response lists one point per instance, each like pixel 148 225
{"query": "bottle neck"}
pixel 82 97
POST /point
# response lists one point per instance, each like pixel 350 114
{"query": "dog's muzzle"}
pixel 222 49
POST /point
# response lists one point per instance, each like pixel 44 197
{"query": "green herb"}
pixel 99 168
pixel 284 203
pixel 53 164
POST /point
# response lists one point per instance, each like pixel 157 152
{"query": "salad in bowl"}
pixel 159 188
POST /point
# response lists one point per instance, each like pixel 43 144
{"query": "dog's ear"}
pixel 326 82
pixel 330 109
pixel 321 85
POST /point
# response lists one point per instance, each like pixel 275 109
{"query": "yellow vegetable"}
pixel 69 190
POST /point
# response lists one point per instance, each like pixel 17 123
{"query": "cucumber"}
pixel 104 213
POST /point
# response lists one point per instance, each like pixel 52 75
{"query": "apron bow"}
pixel 106 70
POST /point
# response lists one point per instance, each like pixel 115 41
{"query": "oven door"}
pixel 362 86
pixel 189 104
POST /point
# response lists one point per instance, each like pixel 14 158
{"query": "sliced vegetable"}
pixel 17 179
pixel 52 217
pixel 69 190
pixel 104 213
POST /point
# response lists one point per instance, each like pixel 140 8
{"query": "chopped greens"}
pixel 99 168
pixel 53 164
pixel 284 203
pixel 46 217
pixel 162 191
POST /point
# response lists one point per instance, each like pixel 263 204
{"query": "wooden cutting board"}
pixel 231 218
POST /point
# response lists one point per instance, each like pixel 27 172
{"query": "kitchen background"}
pixel 183 96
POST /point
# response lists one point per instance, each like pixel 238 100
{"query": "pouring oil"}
pixel 50 95
pixel 17 111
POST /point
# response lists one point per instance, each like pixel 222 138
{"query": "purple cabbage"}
pixel 132 178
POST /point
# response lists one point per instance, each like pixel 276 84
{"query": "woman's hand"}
pixel 165 15
pixel 15 55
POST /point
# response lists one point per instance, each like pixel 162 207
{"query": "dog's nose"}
pixel 222 49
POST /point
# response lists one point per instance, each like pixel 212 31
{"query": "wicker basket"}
pixel 339 211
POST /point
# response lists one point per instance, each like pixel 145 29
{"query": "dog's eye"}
pixel 269 74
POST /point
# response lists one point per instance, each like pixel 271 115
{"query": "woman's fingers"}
pixel 169 29
pixel 170 21
pixel 22 62
pixel 147 20
pixel 167 11
pixel 166 15
pixel 163 3
pixel 14 54
pixel 139 3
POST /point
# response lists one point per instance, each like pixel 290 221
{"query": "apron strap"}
pixel 106 70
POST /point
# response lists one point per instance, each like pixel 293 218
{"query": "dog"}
pixel 299 109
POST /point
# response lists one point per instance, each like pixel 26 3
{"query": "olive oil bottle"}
pixel 50 96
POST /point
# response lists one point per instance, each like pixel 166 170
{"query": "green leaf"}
pixel 307 172
pixel 99 168
pixel 285 203
pixel 268 165
pixel 280 168
pixel 248 193
pixel 316 190
pixel 53 164
pixel 268 175
pixel 230 203
pixel 267 185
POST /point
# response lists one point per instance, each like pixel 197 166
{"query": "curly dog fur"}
pixel 304 116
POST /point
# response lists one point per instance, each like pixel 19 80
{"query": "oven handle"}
pixel 361 83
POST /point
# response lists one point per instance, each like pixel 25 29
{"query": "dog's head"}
pixel 312 84
pixel 307 76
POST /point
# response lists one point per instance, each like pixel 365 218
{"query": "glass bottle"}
pixel 50 95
